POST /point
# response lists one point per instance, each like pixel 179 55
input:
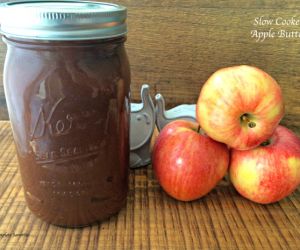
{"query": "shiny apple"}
pixel 186 162
pixel 240 106
pixel 269 172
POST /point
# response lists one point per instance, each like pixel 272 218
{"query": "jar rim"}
pixel 63 20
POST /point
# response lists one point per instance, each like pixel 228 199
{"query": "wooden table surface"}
pixel 151 219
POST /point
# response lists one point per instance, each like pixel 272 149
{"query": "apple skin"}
pixel 186 163
pixel 268 173
pixel 240 106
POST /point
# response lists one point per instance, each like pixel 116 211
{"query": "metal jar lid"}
pixel 62 20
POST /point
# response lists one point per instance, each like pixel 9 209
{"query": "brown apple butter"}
pixel 68 102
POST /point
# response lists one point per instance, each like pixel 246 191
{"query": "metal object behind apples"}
pixel 163 117
pixel 144 116
pixel 142 124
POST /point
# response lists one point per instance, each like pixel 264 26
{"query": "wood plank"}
pixel 242 4
pixel 151 219
pixel 175 45
pixel 269 4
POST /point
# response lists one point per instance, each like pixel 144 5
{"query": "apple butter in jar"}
pixel 67 85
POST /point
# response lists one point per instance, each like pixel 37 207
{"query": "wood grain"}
pixel 175 45
pixel 151 219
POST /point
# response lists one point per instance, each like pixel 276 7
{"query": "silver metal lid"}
pixel 62 20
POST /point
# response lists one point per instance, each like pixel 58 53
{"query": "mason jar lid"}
pixel 62 20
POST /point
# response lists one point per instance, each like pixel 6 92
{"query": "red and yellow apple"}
pixel 269 172
pixel 240 106
pixel 187 163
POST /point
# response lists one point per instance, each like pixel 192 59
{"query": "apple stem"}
pixel 265 143
pixel 251 124
pixel 245 118
pixel 198 130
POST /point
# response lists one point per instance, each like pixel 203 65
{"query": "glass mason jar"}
pixel 67 85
